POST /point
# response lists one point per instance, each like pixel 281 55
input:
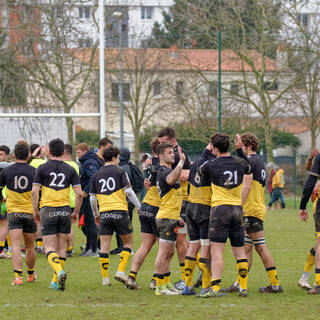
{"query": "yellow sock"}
pixel 159 280
pixel 63 262
pixel 182 270
pixel 272 273
pixel 30 271
pixel 69 249
pixel 54 261
pixel 205 273
pixel 242 267
pixel 310 261
pixel 317 277
pixel 166 278
pixel 124 258
pixel 104 264
pixel 190 264
pixel 216 284
pixel 133 274
pixel 39 243
pixel 198 260
pixel 154 277
pixel 17 273
pixel 9 240
pixel 2 244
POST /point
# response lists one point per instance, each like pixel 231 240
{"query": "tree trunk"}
pixel 268 139
pixel 136 146
pixel 313 136
pixel 71 141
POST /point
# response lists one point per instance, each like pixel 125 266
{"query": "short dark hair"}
pixel 56 147
pixel 220 141
pixel 249 139
pixel 105 141
pixel 33 147
pixel 21 151
pixel 162 147
pixel 169 132
pixel 68 149
pixel 5 149
pixel 154 144
pixel 110 153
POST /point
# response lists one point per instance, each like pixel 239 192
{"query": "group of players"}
pixel 219 196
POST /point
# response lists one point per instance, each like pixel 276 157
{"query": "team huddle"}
pixel 215 198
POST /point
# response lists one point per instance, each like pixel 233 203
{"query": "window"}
pixel 234 88
pixel 179 88
pixel 123 28
pixel 156 88
pixel 303 20
pixel 271 86
pixel 213 89
pixel 84 12
pixel 146 13
pixel 115 91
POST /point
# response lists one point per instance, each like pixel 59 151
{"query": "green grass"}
pixel 86 298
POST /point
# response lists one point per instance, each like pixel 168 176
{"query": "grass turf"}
pixel 287 238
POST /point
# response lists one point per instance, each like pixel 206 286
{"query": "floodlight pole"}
pixel 101 69
pixel 219 98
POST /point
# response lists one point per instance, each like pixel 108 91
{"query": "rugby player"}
pixel 168 217
pixel 313 255
pixel 226 175
pixel 147 215
pixel 104 143
pixel 54 178
pixel 254 209
pixel 198 213
pixel 67 158
pixel 18 179
pixel 167 135
pixel 109 188
pixel 304 279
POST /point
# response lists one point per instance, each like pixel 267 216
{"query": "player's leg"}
pixel 30 254
pixel 105 242
pixel 70 243
pixel 3 235
pixel 308 266
pixel 16 236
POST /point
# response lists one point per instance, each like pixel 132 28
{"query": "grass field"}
pixel 85 297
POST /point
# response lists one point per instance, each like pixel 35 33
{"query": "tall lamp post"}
pixel 118 14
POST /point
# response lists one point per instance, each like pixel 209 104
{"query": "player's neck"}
pixel 56 158
pixel 221 155
pixel 110 163
pixel 165 164
pixel 250 153
pixel 20 161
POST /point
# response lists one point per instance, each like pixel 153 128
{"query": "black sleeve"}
pixel 204 168
pixel 2 180
pixel 207 155
pixel 307 190
pixel 187 162
pixel 241 153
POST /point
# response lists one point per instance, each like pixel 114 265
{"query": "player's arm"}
pixel 246 186
pixel 132 197
pixel 312 154
pixel 174 175
pixel 35 201
pixel 78 201
pixel 184 176
pixel 94 207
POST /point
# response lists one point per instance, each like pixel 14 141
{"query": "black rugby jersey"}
pixel 170 196
pixel 18 179
pixel 226 175
pixel 108 186
pixel 200 186
pixel 255 205
pixel 55 178
pixel 152 196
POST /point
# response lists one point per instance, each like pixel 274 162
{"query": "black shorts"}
pixel 168 229
pixel 198 221
pixel 24 221
pixel 183 211
pixel 115 221
pixel 55 220
pixel 252 224
pixel 316 218
pixel 147 217
pixel 226 221
pixel 3 216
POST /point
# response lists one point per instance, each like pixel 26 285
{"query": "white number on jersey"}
pixel 60 177
pixel 20 182
pixel 107 185
pixel 232 178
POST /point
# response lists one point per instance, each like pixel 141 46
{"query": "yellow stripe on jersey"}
pixel 223 196
pixel 54 198
pixel 200 195
pixel 152 196
pixel 170 205
pixel 114 201
pixel 255 206
pixel 184 189
pixel 19 202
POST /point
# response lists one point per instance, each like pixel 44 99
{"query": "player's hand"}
pixel 237 141
pixel 180 222
pixel 74 217
pixel 147 183
pixel 37 217
pixel 84 194
pixel 97 220
pixel 313 153
pixel 209 147
pixel 182 156
pixel 36 151
pixel 303 215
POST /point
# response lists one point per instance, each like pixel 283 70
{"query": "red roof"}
pixel 176 59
